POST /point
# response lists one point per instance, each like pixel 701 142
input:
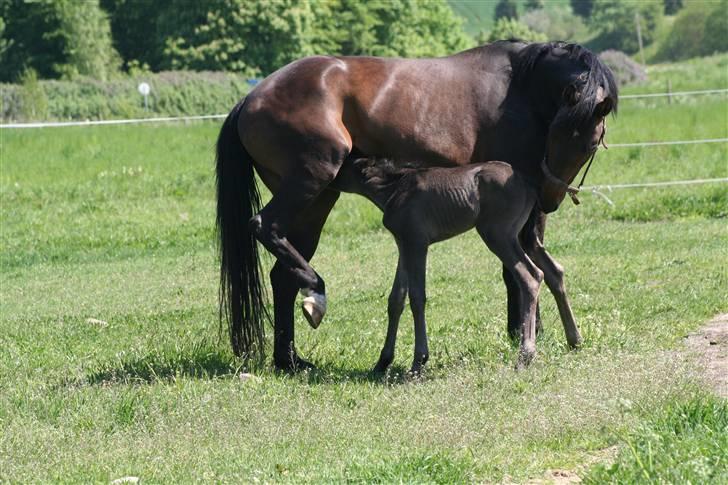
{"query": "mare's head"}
pixel 573 92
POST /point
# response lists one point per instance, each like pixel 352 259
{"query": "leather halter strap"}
pixel 572 191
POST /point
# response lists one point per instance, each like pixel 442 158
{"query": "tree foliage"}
pixel 533 4
pixel 582 8
pixel 513 29
pixel 699 29
pixel 61 38
pixel 616 21
pixel 672 6
pixel 556 23
pixel 506 9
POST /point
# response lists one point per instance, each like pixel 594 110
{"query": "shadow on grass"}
pixel 331 374
pixel 198 362
pixel 207 361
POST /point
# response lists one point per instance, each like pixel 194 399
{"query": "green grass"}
pixel 117 224
pixel 687 443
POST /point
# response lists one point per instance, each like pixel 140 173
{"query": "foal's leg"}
pixel 528 278
pixel 554 276
pixel 532 234
pixel 415 259
pixel 395 307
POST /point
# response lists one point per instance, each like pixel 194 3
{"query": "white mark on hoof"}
pixel 314 308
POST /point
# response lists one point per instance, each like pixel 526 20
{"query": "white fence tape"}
pixel 58 124
pixel 598 190
pixel 676 93
pixel 654 184
pixel 673 142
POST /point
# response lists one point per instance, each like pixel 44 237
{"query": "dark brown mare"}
pixel 503 101
pixel 424 206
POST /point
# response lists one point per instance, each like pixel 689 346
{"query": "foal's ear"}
pixel 571 95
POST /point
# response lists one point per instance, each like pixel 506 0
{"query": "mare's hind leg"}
pixel 271 226
pixel 528 278
pixel 395 306
pixel 554 277
pixel 304 237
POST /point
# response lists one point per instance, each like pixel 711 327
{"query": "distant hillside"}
pixel 478 14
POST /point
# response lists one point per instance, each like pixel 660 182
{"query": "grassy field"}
pixel 115 224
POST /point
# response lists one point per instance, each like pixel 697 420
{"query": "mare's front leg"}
pixel 415 257
pixel 554 276
pixel 395 306
pixel 528 279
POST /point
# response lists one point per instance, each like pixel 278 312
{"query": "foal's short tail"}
pixel 242 298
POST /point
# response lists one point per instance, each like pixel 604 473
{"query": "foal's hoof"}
pixel 575 342
pixel 525 357
pixel 418 365
pixel 314 308
pixel 382 365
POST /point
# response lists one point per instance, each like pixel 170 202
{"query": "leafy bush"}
pixel 555 23
pixel 699 30
pixel 625 70
pixel 513 29
pixel 173 93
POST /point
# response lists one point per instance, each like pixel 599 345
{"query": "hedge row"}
pixel 173 93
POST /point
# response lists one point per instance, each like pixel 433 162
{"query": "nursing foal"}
pixel 424 206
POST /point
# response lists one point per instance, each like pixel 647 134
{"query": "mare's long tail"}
pixel 242 298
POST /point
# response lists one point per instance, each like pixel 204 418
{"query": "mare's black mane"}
pixel 596 74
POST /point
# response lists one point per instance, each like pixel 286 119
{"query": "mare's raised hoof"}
pixel 314 308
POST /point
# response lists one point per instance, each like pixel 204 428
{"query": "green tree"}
pixel 672 6
pixel 716 26
pixel 582 8
pixel 61 38
pixel 134 29
pixel 617 22
pixel 258 37
pixel 410 28
pixel 699 29
pixel 507 9
pixel 533 5
pixel 513 29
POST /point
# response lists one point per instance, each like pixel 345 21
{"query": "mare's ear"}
pixel 571 95
pixel 604 108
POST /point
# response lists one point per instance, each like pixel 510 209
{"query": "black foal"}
pixel 424 206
